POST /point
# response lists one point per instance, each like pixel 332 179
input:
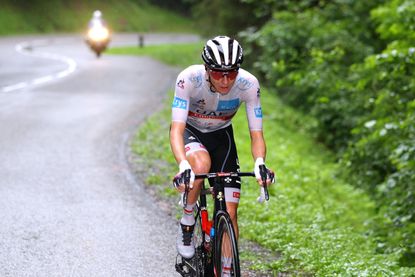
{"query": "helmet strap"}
pixel 211 86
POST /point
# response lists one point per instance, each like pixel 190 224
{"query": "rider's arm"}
pixel 176 140
pixel 180 109
pixel 258 146
pixel 254 116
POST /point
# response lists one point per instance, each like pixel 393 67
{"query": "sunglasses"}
pixel 217 75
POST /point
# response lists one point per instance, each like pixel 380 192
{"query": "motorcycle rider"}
pixel 97 20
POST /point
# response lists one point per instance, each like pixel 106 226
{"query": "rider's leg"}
pixel 200 163
pixel 232 209
pixel 226 266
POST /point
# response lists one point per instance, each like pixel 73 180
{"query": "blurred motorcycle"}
pixel 98 38
pixel 98 35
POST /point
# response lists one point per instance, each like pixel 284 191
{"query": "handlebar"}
pixel 224 174
pixel 262 170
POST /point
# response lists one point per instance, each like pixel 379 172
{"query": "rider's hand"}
pixel 185 174
pixel 270 174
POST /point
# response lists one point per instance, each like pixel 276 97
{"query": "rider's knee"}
pixel 200 168
pixel 200 162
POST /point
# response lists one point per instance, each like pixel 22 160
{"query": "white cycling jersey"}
pixel 195 104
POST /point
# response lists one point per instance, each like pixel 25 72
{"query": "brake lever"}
pixel 186 181
pixel 263 172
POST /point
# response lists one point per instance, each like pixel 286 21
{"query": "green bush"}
pixel 382 154
pixel 307 57
pixel 322 59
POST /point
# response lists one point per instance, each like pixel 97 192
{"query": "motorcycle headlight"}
pixel 98 33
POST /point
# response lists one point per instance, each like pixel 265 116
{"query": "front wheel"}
pixel 226 247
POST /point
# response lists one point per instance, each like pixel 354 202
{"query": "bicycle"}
pixel 212 237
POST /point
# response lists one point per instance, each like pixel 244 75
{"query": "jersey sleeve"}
pixel 180 105
pixel 253 107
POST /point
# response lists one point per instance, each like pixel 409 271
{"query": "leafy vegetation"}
pixel 349 64
pixel 319 223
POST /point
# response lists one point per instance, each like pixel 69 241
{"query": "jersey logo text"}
pixel 243 84
pixel 180 84
pixel 258 112
pixel 211 115
pixel 179 103
pixel 227 105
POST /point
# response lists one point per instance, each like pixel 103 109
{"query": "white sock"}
pixel 188 217
pixel 226 266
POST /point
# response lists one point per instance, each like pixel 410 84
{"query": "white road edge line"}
pixel 22 49
pixel 14 87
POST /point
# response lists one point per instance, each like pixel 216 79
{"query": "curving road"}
pixel 69 205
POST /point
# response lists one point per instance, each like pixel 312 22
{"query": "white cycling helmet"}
pixel 222 53
pixel 97 14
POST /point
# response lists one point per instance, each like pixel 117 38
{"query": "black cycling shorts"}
pixel 220 145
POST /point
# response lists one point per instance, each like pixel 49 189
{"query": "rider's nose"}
pixel 225 79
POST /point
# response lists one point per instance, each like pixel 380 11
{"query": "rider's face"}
pixel 222 81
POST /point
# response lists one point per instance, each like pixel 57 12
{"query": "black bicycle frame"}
pixel 219 205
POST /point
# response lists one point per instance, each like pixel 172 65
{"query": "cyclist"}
pixel 206 98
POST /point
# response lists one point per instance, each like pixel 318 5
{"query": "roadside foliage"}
pixel 351 64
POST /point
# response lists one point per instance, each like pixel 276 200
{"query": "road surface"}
pixel 69 204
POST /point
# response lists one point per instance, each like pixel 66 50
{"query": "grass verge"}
pixel 180 54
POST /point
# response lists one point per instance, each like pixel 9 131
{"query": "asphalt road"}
pixel 69 204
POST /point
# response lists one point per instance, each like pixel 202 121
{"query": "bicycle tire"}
pixel 225 228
